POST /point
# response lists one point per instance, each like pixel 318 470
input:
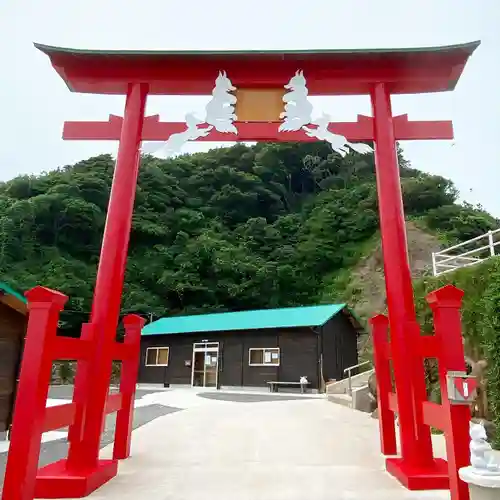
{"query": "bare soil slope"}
pixel 367 279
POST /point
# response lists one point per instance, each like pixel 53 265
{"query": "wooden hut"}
pixel 13 321
pixel 251 348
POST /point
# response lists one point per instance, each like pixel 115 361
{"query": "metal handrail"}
pixel 349 370
pixel 461 256
pixel 458 245
pixel 443 262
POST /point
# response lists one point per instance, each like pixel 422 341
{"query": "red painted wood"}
pixel 416 368
pixel 415 449
pixel 45 306
pixel 56 481
pixel 429 346
pixel 79 398
pixel 346 81
pixel 447 347
pixel 405 130
pixel 380 328
pixel 122 352
pixel 445 304
pixel 393 402
pixel 327 72
pixel 69 348
pixel 360 130
pixel 113 403
pixel 59 416
pixel 130 369
pixel 415 478
pixel 387 351
pixel 434 415
pixel 110 274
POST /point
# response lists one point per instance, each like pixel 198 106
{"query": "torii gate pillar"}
pixel 416 445
pixel 110 276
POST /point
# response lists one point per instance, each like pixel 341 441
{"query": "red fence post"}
pixel 79 398
pixel 423 432
pixel 445 304
pixel 380 330
pixel 128 381
pixel 45 306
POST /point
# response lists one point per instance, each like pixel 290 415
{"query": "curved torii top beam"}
pixel 330 72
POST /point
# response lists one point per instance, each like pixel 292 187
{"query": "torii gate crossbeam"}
pixel 360 130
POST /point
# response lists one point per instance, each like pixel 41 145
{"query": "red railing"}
pixel 446 346
pixel 64 479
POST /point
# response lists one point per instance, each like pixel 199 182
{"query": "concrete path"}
pixel 275 449
pixel 59 395
pixel 55 444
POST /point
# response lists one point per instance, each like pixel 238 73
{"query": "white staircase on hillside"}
pixel 466 254
pixel 353 390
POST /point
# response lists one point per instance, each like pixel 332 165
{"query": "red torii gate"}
pixel 259 78
pixel 418 450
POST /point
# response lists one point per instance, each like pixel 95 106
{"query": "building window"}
pixel 264 357
pixel 157 356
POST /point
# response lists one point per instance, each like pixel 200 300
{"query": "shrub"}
pixel 480 321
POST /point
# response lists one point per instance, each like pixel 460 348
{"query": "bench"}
pixel 273 386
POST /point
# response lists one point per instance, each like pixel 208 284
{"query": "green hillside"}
pixel 232 229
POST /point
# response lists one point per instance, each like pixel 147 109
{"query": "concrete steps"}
pixel 358 397
pixel 341 399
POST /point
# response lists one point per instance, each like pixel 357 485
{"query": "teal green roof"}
pixel 288 317
pixel 10 291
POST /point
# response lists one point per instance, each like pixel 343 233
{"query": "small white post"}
pixel 434 270
pixel 483 475
pixel 490 241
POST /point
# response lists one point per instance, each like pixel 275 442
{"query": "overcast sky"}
pixel 34 101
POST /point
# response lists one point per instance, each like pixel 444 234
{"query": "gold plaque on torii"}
pixel 259 105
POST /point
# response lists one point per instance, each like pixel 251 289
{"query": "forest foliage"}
pixel 231 229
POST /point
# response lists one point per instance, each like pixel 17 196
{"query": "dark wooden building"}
pixel 250 348
pixel 13 322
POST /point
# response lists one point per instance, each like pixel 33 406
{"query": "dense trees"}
pixel 234 228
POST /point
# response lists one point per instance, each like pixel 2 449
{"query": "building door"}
pixel 205 371
pixel 10 351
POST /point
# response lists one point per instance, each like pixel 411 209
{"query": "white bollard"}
pixel 483 475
